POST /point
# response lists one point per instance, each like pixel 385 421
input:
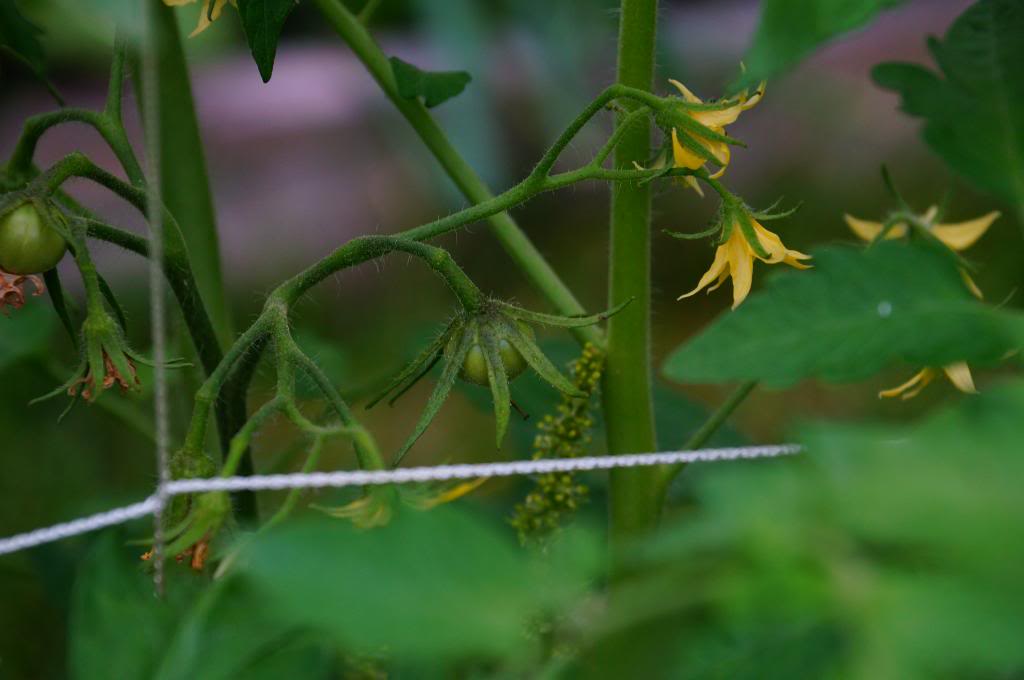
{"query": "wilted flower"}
pixel 12 289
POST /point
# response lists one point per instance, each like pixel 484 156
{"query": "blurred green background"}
pixel 317 157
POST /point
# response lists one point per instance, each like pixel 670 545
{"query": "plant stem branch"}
pixel 704 433
pixel 509 234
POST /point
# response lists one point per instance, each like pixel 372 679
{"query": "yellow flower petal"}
pixel 960 375
pixel 912 387
pixel 694 184
pixel 758 95
pixel 207 17
pixel 741 265
pixel 683 157
pixel 685 91
pixel 721 118
pixel 453 493
pixel 718 267
pixel 869 231
pixel 771 243
pixel 866 230
pixel 962 235
pixel 720 150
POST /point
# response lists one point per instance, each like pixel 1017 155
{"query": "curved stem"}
pixel 508 233
pixel 369 247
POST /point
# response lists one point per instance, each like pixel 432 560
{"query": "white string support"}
pixel 438 473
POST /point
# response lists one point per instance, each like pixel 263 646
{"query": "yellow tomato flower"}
pixel 959 374
pixel 735 257
pixel 211 11
pixel 955 236
pixel 715 119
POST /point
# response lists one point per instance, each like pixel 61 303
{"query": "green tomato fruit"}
pixel 474 367
pixel 27 244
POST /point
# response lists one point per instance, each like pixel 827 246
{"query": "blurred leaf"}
pixel 263 21
pixel 678 417
pixel 789 31
pixel 435 87
pixel 883 552
pixel 20 38
pixel 120 629
pixel 429 586
pixel 329 355
pixel 25 333
pixel 852 315
pixel 974 106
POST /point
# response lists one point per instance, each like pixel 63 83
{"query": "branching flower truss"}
pixel 487 340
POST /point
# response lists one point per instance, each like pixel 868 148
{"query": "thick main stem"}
pixel 628 403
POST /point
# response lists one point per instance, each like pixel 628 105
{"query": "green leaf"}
pixel 429 587
pixel 20 38
pixel 119 629
pixel 789 31
pixel 974 106
pixel 881 552
pixel 435 87
pixel 855 313
pixel 26 332
pixel 263 21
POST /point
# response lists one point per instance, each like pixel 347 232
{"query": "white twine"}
pixel 315 480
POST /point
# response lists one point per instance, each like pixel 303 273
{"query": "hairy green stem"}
pixel 513 239
pixel 627 393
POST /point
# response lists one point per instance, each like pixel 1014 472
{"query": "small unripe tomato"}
pixel 27 244
pixel 474 367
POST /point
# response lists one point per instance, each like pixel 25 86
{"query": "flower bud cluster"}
pixel 564 434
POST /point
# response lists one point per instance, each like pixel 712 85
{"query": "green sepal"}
pixel 416 369
pixel 890 186
pixel 444 386
pixel 208 514
pixel 108 295
pixel 60 301
pixel 556 320
pixel 714 229
pixel 704 131
pixel 767 214
pixel 747 226
pixel 687 141
pixel 498 381
pixel 528 348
